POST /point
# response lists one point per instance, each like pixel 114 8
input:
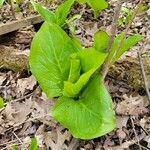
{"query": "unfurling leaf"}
pixel 88 68
pixel 101 40
pixel 75 69
pixel 73 89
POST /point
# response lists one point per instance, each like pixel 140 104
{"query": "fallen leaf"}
pixel 132 105
pixel 25 84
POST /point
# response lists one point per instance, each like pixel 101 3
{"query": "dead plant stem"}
pixel 144 75
pixel 112 36
pixel 107 62
pixel 126 31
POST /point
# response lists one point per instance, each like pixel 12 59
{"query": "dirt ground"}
pixel 27 110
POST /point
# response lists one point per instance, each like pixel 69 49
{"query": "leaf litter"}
pixel 29 116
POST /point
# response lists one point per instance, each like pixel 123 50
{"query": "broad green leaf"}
pixel 91 115
pixel 101 40
pixel 1 3
pixel 1 102
pixel 90 58
pixel 47 15
pixel 75 69
pixel 97 5
pixel 33 145
pixel 49 58
pixel 63 11
pixel 76 42
pixel 73 89
pixel 82 1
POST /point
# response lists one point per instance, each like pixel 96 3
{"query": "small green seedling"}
pixel 125 17
pixel 33 144
pixel 73 74
pixel 1 3
pixel 70 23
pixel 97 5
pixel 14 147
pixel 1 102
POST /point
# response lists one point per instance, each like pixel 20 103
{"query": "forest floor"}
pixel 27 110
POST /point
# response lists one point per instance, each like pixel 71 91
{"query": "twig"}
pixel 126 30
pixel 106 65
pixel 21 98
pixel 144 76
pixel 16 100
pixel 112 36
pixel 6 143
pixel 114 24
pixel 133 127
pixel 17 137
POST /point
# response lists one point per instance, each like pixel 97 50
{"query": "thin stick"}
pixel 144 76
pixel 6 143
pixel 112 36
pixel 126 30
pixel 17 137
pixel 114 24
pixel 106 65
pixel 133 127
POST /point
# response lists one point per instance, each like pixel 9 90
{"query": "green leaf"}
pixel 1 3
pixel 47 15
pixel 82 1
pixel 76 42
pixel 115 45
pixel 73 89
pixel 97 5
pixel 88 68
pixel 101 40
pixel 91 115
pixel 128 43
pixel 14 147
pixel 75 68
pixel 1 102
pixel 33 145
pixel 49 58
pixel 90 58
pixel 63 11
